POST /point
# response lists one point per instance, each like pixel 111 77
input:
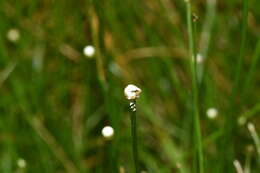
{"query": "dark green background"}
pixel 54 101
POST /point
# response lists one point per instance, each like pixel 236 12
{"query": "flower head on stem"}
pixel 132 93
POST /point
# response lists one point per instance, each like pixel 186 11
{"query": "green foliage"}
pixel 55 100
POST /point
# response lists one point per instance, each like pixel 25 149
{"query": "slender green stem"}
pixel 229 123
pixel 198 138
pixel 242 48
pixel 249 114
pixel 206 34
pixel 134 137
pixel 252 71
pixel 248 162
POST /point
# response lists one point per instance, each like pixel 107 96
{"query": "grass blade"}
pixel 197 140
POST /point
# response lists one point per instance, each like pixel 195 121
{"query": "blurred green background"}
pixel 55 101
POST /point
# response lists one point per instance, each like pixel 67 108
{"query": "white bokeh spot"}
pixel 108 132
pixel 89 51
pixel 21 163
pixel 212 113
pixel 13 35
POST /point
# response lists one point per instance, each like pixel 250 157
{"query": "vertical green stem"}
pixel 251 72
pixel 197 140
pixel 134 138
pixel 242 47
pixel 228 148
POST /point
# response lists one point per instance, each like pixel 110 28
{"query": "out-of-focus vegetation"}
pixel 55 101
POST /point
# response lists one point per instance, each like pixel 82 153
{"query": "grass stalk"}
pixel 248 160
pixel 242 47
pixel 134 136
pixel 249 114
pixel 99 59
pixel 229 124
pixel 255 137
pixel 205 36
pixel 238 166
pixel 252 70
pixel 53 144
pixel 198 138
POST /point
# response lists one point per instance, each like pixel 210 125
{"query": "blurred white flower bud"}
pixel 132 92
pixel 21 163
pixel 13 35
pixel 251 127
pixel 199 58
pixel 107 131
pixel 242 120
pixel 212 113
pixel 89 51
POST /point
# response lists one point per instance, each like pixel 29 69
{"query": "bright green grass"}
pixel 54 101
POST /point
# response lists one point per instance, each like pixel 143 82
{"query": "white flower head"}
pixel 132 92
pixel 13 35
pixel 108 132
pixel 212 113
pixel 89 51
pixel 21 163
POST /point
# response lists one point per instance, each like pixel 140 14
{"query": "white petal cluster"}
pixel 107 131
pixel 132 92
pixel 212 113
pixel 89 51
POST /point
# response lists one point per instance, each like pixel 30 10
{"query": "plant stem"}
pixel 197 140
pixel 251 72
pixel 242 47
pixel 134 138
pixel 228 148
pixel 206 34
